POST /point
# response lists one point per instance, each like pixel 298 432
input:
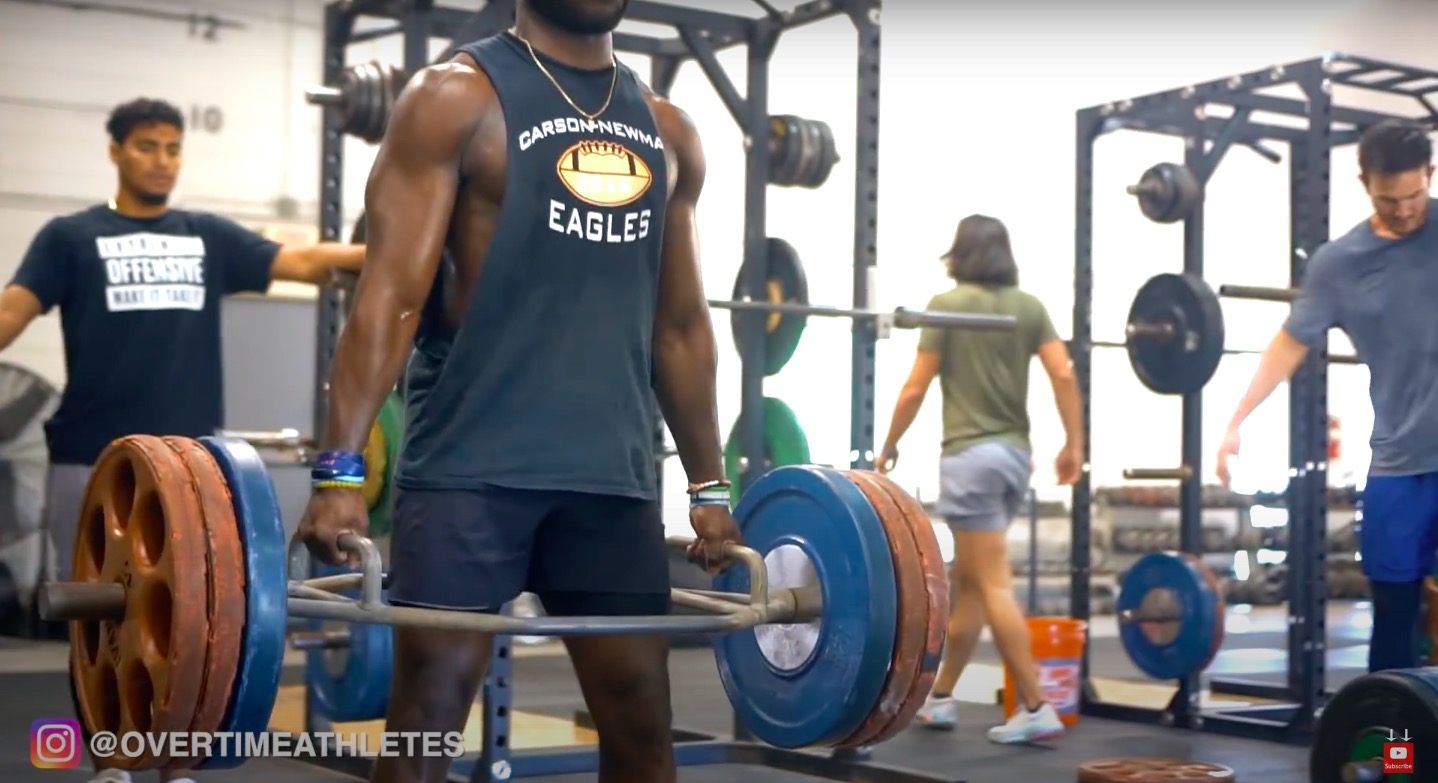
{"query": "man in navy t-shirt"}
pixel 139 285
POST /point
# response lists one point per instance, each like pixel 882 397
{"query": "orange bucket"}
pixel 1058 645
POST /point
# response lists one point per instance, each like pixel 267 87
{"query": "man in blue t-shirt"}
pixel 1378 283
pixel 138 285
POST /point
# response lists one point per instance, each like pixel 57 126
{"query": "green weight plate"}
pixel 391 423
pixel 786 283
pixel 784 444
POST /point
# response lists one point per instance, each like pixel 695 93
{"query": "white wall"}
pixel 978 110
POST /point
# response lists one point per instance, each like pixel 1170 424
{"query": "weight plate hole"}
pixel 150 528
pixel 109 693
pixel 788 647
pixel 95 541
pixel 136 695
pixel 90 641
pixel 121 497
pixel 156 626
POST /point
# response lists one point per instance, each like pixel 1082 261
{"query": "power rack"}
pixel 1324 125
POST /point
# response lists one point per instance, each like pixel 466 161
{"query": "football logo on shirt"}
pixel 604 173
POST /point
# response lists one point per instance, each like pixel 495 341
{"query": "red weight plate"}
pixel 140 526
pixel 913 612
pixel 226 583
pixel 936 581
pixel 1221 614
pixel 1153 771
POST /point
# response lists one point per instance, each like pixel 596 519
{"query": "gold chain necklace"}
pixel 613 82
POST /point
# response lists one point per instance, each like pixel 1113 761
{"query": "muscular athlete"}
pixel 1377 283
pixel 564 193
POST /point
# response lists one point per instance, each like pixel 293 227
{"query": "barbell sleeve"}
pixel 1133 616
pixel 1143 329
pixel 320 640
pixel 1333 358
pixel 1158 474
pixel 324 96
pixel 1258 292
pixel 81 601
pixel 1363 772
pixel 903 319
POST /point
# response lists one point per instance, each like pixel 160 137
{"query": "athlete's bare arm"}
pixel 685 353
pixel 408 203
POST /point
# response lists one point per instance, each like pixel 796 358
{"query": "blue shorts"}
pixel 1398 534
pixel 476 550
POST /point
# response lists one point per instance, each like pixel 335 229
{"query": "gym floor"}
pixel 546 697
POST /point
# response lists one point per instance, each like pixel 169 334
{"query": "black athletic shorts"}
pixel 476 550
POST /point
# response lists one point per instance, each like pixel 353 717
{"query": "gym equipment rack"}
pixel 1185 113
pixel 700 35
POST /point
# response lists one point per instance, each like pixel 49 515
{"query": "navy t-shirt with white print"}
pixel 139 303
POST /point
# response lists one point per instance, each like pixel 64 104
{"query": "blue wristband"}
pixel 339 466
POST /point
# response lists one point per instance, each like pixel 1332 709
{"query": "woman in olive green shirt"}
pixel 987 462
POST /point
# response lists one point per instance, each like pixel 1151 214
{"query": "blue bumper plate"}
pixel 350 683
pixel 262 535
pixel 1183 596
pixel 812 684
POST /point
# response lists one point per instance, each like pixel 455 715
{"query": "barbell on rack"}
pixel 1174 334
pixel 900 318
pixel 364 97
pixel 183 537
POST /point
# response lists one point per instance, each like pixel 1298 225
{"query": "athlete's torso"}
pixel 532 365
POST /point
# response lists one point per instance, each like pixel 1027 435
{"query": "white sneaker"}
pixel 1025 726
pixel 939 713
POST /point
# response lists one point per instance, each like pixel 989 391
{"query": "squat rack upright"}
pixel 1190 113
pixel 699 36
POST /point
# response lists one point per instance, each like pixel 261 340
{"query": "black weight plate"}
pixel 1186 360
pixel 784 149
pixel 1168 192
pixel 1394 704
pixel 786 283
pixel 828 155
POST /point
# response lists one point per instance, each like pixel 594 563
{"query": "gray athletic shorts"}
pixel 982 487
pixel 64 492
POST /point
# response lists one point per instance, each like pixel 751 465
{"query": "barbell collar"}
pixel 1181 473
pixel 324 96
pixel 1363 772
pixel 1134 616
pixel 1147 330
pixel 902 319
pixel 1258 293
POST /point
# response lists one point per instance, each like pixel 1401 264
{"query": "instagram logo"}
pixel 55 743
